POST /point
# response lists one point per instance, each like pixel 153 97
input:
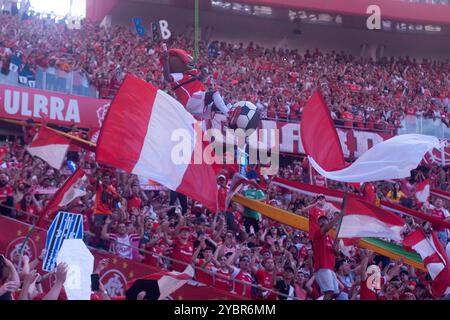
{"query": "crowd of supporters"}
pixel 360 93
pixel 236 250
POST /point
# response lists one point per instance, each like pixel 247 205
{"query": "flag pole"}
pixel 343 208
pixel 67 135
pixel 26 238
pixel 196 32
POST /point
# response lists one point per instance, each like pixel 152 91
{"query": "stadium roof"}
pixel 398 10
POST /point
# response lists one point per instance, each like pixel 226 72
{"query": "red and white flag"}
pixel 363 219
pixel 237 183
pixel 434 258
pixel 423 191
pixel 391 159
pixel 50 147
pixel 319 136
pixel 148 133
pixel 74 187
pixel 160 285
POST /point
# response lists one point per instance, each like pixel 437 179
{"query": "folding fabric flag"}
pixel 158 286
pixel 363 219
pixel 74 187
pixel 434 258
pixel 148 133
pixel 50 147
pixel 319 136
pixel 391 159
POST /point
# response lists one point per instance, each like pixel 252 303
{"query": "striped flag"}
pixel 50 147
pixel 65 226
pixel 74 187
pixel 148 133
pixel 363 219
pixel 434 257
pixel 237 183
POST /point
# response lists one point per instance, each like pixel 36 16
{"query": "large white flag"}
pixel 390 159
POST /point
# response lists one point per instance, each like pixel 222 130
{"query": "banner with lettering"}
pixel 23 103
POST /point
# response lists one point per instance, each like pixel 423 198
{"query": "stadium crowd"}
pixel 360 93
pixel 237 249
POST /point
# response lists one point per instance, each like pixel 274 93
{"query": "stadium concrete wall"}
pixel 279 33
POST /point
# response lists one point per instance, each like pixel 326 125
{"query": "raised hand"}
pixel 61 273
pixel 102 264
pixel 10 286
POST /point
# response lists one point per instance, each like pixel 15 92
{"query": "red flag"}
pixel 319 136
pixel 50 146
pixel 72 189
pixel 148 133
pixel 434 258
pixel 363 219
pixel 237 183
pixel 337 196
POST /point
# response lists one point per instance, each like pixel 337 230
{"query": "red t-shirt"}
pixel 221 198
pixel 368 294
pixel 264 278
pixel 202 276
pixel 5 192
pixel 324 257
pixel 369 193
pixel 241 288
pixel 359 121
pixel 182 252
pixel 134 202
pixel 104 199
pixel 348 119
pixel 3 152
pixel 151 259
pixel 223 280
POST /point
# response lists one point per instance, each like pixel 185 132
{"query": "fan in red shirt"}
pixel 222 192
pixel 371 279
pixel 369 193
pixel 244 277
pixel 186 81
pixel 104 200
pixel 182 246
pixel 155 245
pixel 266 279
pixel 29 205
pixel 134 201
pixel 223 274
pixel 207 262
pixel 347 116
pixel 325 251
